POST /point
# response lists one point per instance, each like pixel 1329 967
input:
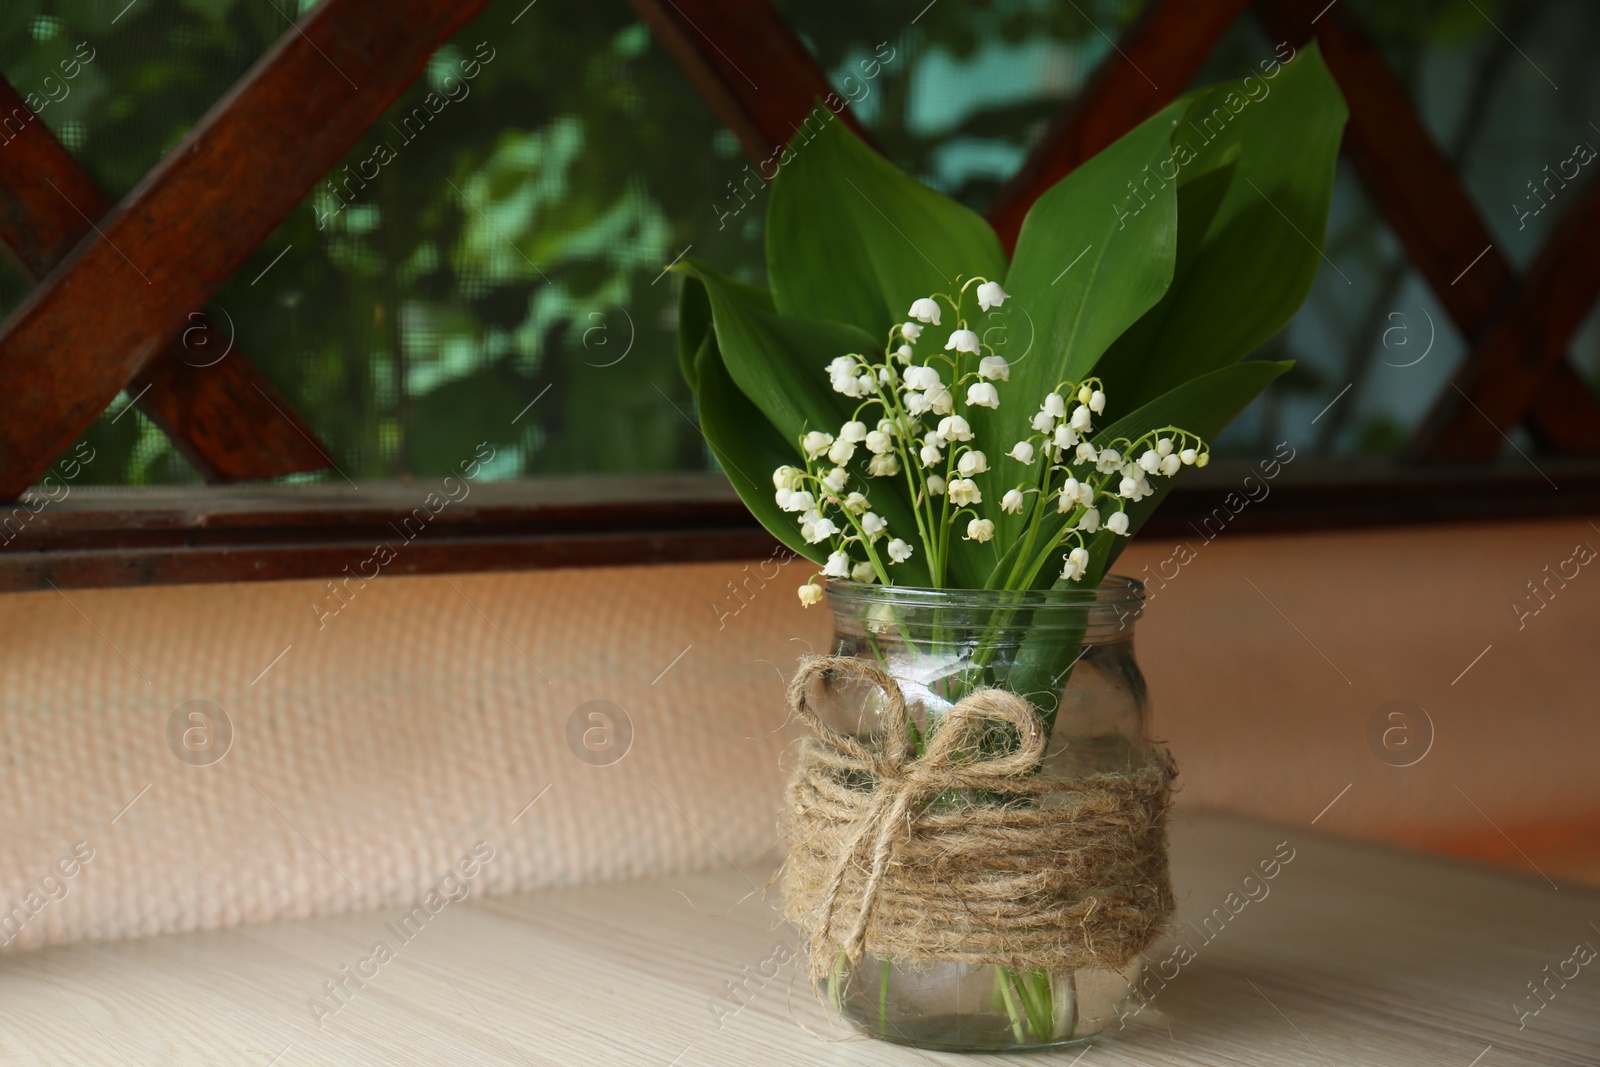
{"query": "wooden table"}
pixel 1350 954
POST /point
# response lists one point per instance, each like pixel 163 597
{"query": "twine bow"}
pixel 903 782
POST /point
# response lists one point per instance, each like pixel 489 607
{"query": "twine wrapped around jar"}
pixel 962 856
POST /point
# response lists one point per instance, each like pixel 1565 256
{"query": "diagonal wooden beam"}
pixel 1512 366
pixel 1145 72
pixel 1415 186
pixel 114 302
pixel 758 77
pixel 225 418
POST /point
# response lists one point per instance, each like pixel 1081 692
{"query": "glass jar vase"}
pixel 1070 653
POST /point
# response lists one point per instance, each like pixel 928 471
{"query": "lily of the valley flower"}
pixel 838 565
pixel 982 395
pixel 1077 562
pixel 964 491
pixel 841 451
pixel 921 377
pixel 872 525
pixel 810 593
pixel 878 442
pixel 926 310
pixel 971 463
pixel 787 477
pixel 795 500
pixel 863 572
pixel 855 503
pixel 1022 452
pixel 955 428
pixel 836 479
pixel 899 551
pixel 936 486
pixel 962 341
pixel 940 402
pixel 930 455
pixel 816 443
pixel 1118 523
pixel 980 530
pixel 913 330
pixel 990 295
pixel 1012 502
pixel 818 529
pixel 994 369
pixel 1089 521
pixel 854 432
pixel 884 466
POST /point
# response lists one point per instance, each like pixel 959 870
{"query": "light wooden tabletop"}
pixel 1348 954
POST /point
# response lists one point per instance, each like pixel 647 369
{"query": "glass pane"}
pixel 486 264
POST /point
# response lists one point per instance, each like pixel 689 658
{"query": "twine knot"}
pixel 966 852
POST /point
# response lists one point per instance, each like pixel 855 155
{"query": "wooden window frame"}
pixel 318 89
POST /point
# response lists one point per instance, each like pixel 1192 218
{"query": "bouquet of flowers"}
pixel 903 406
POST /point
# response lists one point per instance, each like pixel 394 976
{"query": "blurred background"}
pixel 511 250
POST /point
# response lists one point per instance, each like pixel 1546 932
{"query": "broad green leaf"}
pixel 694 323
pixel 852 239
pixel 780 364
pixel 1238 283
pixel 1093 256
pixel 747 446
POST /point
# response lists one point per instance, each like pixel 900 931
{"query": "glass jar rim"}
pixel 1116 591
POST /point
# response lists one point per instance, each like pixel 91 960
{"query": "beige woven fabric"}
pixel 424 717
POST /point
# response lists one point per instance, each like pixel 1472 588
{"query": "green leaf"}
pixel 694 323
pixel 1246 273
pixel 852 239
pixel 1091 259
pixel 780 364
pixel 747 446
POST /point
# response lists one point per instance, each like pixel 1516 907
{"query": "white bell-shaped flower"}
pixel 798 501
pixel 1068 498
pixel 903 355
pixel 990 295
pixel 1077 562
pixel 982 395
pixel 878 442
pixel 994 369
pixel 1022 452
pixel 1089 521
pixel 955 428
pixel 1118 523
pixel 1150 462
pixel 873 526
pixel 940 402
pixel 854 432
pixel 816 443
pixel 1108 460
pixel 810 593
pixel 855 503
pixel 787 477
pixel 863 572
pixel 916 403
pixel 921 377
pixel 1043 422
pixel 1187 457
pixel 1085 453
pixel 913 330
pixel 980 530
pixel 1081 419
pixel 818 531
pixel 1012 502
pixel 926 310
pixel 899 551
pixel 1065 436
pixel 1055 406
pixel 964 491
pixel 1097 402
pixel 884 466
pixel 838 566
pixel 971 463
pixel 840 452
pixel 936 486
pixel 962 341
pixel 1171 465
pixel 836 479
pixel 930 455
